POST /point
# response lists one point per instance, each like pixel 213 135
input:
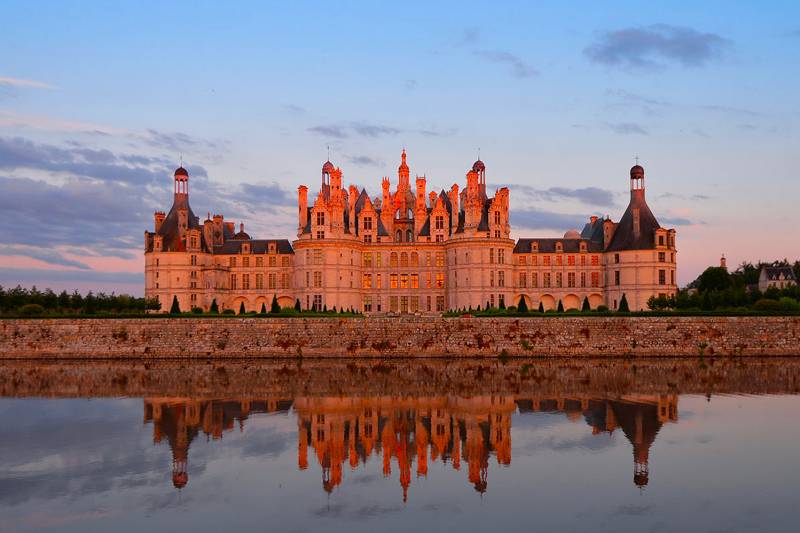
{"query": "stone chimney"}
pixel 159 219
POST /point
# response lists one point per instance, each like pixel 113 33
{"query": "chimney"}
pixel 454 204
pixel 302 205
pixel 159 219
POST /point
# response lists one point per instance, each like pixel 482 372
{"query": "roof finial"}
pixel 181 161
pixel 329 152
pixel 479 153
pixel 637 159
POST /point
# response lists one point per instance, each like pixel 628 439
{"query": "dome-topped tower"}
pixel 181 177
pixel 403 173
pixel 637 177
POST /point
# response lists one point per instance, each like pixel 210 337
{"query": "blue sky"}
pixel 98 101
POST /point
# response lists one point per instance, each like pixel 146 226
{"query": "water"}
pixel 668 445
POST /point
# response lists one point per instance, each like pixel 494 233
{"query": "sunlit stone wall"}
pixel 400 337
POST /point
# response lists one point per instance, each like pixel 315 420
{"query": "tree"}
pixel 241 308
pixel 560 307
pixel 502 304
pixel 522 307
pixel 297 305
pixel 325 308
pixel 714 279
pixel 275 306
pixel 263 308
pixel 214 308
pixel 623 305
pixel 174 310
pixel 541 307
pixel 586 307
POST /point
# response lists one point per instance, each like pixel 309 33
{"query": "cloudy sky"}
pixel 99 102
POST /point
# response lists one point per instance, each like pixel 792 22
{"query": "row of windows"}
pixel 272 261
pixel 662 277
pixel 272 281
pixel 558 260
pixel 548 279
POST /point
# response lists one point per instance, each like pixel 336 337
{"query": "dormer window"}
pixel 535 246
pixel 583 246
pixel 272 247
pixel 320 218
pixel 559 247
pixel 245 248
pixel 367 223
pixel 497 217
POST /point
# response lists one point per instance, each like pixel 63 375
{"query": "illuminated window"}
pixel 571 260
pixel 439 280
pixel 393 259
pixel 317 279
pixel 546 260
pixel 595 260
pixel 367 281
pixel 439 259
pixel 392 281
pixel 403 281
pixel 415 281
pixel 366 259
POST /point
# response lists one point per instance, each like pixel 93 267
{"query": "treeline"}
pixel 32 302
pixel 716 289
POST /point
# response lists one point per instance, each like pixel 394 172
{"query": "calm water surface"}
pixel 399 446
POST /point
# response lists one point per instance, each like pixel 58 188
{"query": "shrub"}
pixel 602 308
pixel 766 304
pixel 31 310
pixel 241 308
pixel 541 307
pixel 522 307
pixel 197 310
pixel 789 304
pixel 274 306
pixel 263 308
pixel 560 307
pixel 214 308
pixel 176 308
pixel 229 312
pixel 623 305
pixel 297 305
pixel 586 307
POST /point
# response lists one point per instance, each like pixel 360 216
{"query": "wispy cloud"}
pixel 593 196
pixel 626 128
pixel 54 124
pixel 336 132
pixel 540 219
pixel 27 84
pixel 47 255
pixel 373 130
pixel 364 160
pixel 656 46
pixel 295 109
pixel 519 68
pixel 676 221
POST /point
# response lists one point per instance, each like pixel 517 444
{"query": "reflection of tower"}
pixel 640 422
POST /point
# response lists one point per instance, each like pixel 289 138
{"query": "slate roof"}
pixel 548 246
pixel 624 237
pixel 169 228
pixel 774 273
pixel 257 246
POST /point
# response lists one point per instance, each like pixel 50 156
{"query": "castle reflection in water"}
pixel 407 432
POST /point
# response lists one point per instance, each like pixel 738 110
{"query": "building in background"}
pixel 776 277
pixel 407 251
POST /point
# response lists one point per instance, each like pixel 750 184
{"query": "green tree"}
pixel 214 307
pixel 560 307
pixel 174 310
pixel 522 307
pixel 241 308
pixel 541 307
pixel 274 306
pixel 263 308
pixel 714 279
pixel 623 305
pixel 297 305
pixel 586 307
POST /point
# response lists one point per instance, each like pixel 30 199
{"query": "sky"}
pixel 100 101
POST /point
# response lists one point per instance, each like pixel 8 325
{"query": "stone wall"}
pixel 399 337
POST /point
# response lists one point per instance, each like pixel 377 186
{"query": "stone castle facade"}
pixel 407 251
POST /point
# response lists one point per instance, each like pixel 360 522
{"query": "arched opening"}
pixel 409 236
pixel 518 298
pixel 571 301
pixel 595 301
pixel 398 236
pixel 285 301
pixel 548 302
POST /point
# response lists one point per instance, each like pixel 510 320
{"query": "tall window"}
pixel 595 260
pixel 367 223
pixel 491 278
pixel 404 259
pixel 439 259
pixel 317 302
pixel 317 280
pixel 439 222
pixel 259 261
pixel 403 281
pixel 415 281
pixel 393 259
pixel 367 281
pixel 583 279
pixel 271 280
pixel 523 279
pixel 273 261
pixel 367 304
pixel 414 259
pixel 662 257
pixel 320 234
pixel 534 280
pixel 194 260
pixel 616 277
pixel 491 256
pixel 392 281
pixel 501 256
pixel 571 260
pixel 662 277
pixel 366 259
pixel 232 261
pixel 233 281
pixel 559 279
pixel 259 281
pixel 317 256
pixel 245 281
pixel 368 238
pixel 595 279
pixel 570 279
pixel 320 218
pixel 497 217
pixel 546 280
pixel 501 279
pixel 440 280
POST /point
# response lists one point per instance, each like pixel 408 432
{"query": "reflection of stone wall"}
pixel 399 337
pixel 520 377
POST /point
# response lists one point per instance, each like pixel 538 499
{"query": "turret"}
pixel 159 217
pixel 403 173
pixel 454 207
pixel 420 182
pixel 181 186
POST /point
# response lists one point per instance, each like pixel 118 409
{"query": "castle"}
pixel 407 251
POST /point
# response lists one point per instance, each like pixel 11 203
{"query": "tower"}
pixel 403 173
pixel 181 187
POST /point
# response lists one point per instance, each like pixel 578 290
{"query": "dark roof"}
pixel 593 231
pixel 257 246
pixel 774 273
pixel 169 228
pixel 426 228
pixel 180 171
pixel 328 167
pixel 361 200
pixel 548 246
pixel 624 238
pixel 478 166
pixel 381 228
pixel 484 223
pixel 241 236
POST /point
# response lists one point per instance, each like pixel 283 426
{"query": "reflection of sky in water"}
pixel 730 464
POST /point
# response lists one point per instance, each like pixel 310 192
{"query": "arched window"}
pixel 398 236
pixel 397 214
pixel 409 236
pixel 414 259
pixel 403 259
pixel 393 259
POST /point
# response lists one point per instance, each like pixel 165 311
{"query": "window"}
pixel 558 260
pixel 367 304
pixel 259 281
pixel 414 259
pixel 415 281
pixel 403 281
pixel 440 222
pixel 491 278
pixel 546 280
pixel 320 218
pixel 393 259
pixel 428 283
pixel 534 280
pixel 491 256
pixel 546 260
pixel 317 280
pixel 317 302
pixel 501 300
pixel 672 277
pixel 404 260
pixel 393 304
pixel 661 240
pixel 522 259
pixel 273 261
pixel 367 223
pixel 367 281
pixel 595 279
pixel 662 277
pixel 233 281
pixel 428 259
pixel 497 217
pixel 317 256
pixel 440 238
pixel 570 260
pixel 320 235
pixel 440 280
pixel 440 304
pixel 404 304
pixel 534 260
pixel 194 260
pixel 501 256
pixel 285 280
pixel 559 279
pixel 616 277
pixel 259 261
pixel 428 303
pixel 571 279
pixel 501 279
pixel 583 279
pixel 413 304
pixel 246 262
pixel 232 261
pixel 378 304
pixel 409 236
pixel 439 259
pixel 583 260
pixel 616 258
pixel 308 283
pixel 368 238
pixel 491 300
pixel 523 279
pixel 378 284
pixel 271 280
pixel 392 281
pixel 377 259
pixel 662 257
pixel 366 259
pixel 595 260
pixel 245 281
pixel 398 236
